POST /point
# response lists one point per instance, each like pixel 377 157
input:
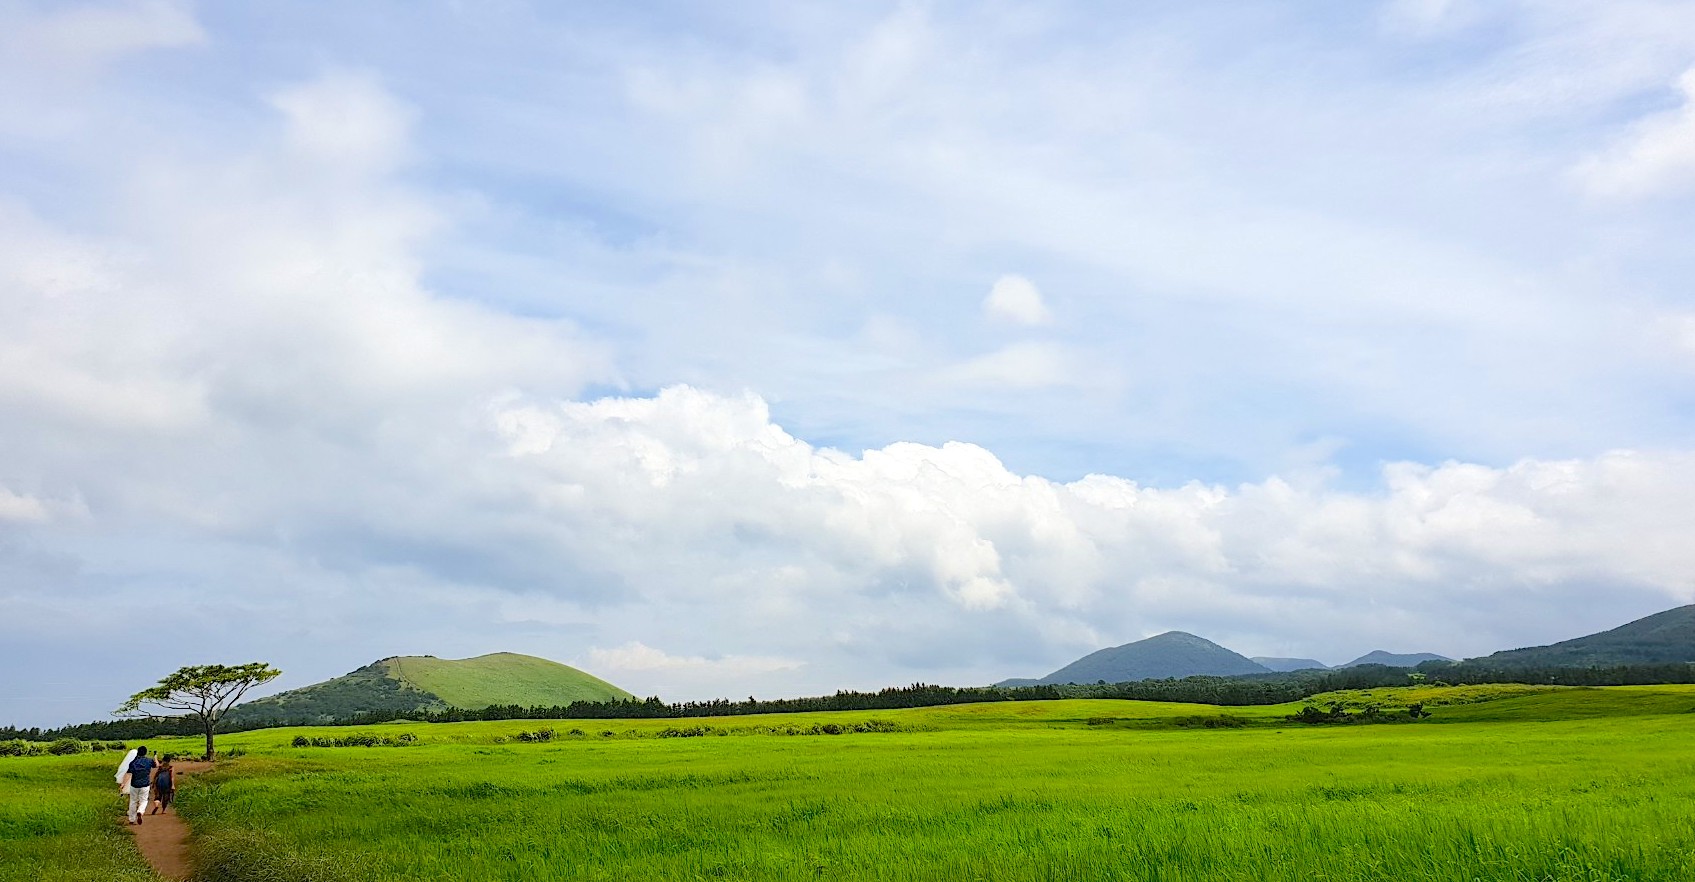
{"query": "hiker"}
pixel 164 785
pixel 140 780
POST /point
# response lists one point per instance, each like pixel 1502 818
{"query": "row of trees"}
pixel 199 691
pixel 1252 689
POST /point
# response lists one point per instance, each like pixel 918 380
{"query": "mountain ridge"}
pixel 1667 636
pixel 1663 637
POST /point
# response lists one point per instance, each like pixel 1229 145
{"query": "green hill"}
pixel 1660 638
pixel 502 678
pixel 423 682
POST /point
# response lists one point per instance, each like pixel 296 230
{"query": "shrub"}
pixel 358 739
pixel 20 748
pixel 1101 721
pixel 537 736
pixel 66 747
pixel 1220 721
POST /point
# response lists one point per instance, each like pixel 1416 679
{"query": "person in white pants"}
pixel 139 775
pixel 137 803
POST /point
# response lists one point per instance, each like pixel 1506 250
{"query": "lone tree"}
pixel 199 692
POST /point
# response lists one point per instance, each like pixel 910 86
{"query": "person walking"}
pixel 164 785
pixel 140 782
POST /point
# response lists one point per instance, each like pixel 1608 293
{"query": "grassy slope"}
pixel 502 678
pixel 1663 637
pixel 370 688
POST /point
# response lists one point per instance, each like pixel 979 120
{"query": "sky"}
pixel 771 349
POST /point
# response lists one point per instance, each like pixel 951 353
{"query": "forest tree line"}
pixel 1250 689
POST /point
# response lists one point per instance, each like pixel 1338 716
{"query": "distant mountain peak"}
pixel 1395 659
pixel 1170 654
pixel 1284 665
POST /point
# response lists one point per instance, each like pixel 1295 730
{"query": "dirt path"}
pixel 163 838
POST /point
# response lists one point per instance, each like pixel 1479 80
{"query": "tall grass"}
pixel 1569 785
pixel 989 793
pixel 59 822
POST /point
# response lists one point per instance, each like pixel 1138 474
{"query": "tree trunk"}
pixel 209 727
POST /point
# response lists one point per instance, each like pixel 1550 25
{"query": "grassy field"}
pixel 59 821
pixel 1573 785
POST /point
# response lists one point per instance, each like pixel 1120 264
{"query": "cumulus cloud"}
pixel 962 513
pixel 1016 299
pixel 1655 157
pixel 690 479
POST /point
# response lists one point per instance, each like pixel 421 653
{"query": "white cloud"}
pixel 695 481
pixel 20 508
pixel 1018 366
pixel 637 656
pixel 1424 17
pixel 645 670
pixel 346 118
pixel 1655 158
pixel 1016 299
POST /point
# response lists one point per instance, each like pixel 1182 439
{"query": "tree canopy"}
pixel 199 692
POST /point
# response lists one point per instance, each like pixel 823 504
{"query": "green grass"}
pixel 60 821
pixel 502 678
pixel 1564 785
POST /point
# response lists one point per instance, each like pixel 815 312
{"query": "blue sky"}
pixel 781 348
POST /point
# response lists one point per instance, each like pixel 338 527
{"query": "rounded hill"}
pixel 501 678
pixel 409 683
